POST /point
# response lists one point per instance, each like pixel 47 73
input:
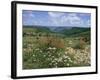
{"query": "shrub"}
pixel 51 41
pixel 79 46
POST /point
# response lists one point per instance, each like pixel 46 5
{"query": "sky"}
pixel 52 18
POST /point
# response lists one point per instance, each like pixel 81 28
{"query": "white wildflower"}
pixel 60 59
pixel 70 42
pixel 33 55
pixel 49 48
pixel 41 51
pixel 67 64
pixel 66 52
pixel 37 49
pixel 54 48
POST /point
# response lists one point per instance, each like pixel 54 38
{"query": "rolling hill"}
pixel 67 31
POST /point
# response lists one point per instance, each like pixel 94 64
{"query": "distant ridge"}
pixel 65 31
pixel 52 26
pixel 57 28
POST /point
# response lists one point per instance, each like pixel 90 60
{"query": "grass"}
pixel 47 49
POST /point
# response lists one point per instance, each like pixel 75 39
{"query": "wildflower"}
pixel 53 48
pixel 70 42
pixel 75 62
pixel 56 63
pixel 65 60
pixel 34 60
pixel 70 60
pixel 66 52
pixel 37 49
pixel 50 63
pixel 60 59
pixel 59 54
pixel 55 59
pixel 41 51
pixel 64 56
pixel 24 49
pixel 49 48
pixel 67 64
pixel 33 55
pixel 44 55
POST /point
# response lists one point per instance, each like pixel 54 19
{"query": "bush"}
pixel 52 42
pixel 78 46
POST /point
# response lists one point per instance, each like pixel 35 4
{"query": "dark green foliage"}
pixel 74 32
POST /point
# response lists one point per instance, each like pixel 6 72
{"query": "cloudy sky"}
pixel 49 18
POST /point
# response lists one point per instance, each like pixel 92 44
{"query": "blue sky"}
pixel 51 18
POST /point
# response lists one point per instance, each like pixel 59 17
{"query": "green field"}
pixel 47 48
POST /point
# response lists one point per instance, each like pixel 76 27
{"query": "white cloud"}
pixel 55 14
pixel 55 18
pixel 69 19
pixel 29 14
pixel 72 14
pixel 74 19
pixel 88 23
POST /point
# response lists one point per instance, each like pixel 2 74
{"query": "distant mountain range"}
pixel 56 28
pixel 59 29
pixel 67 31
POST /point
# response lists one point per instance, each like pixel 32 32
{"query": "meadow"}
pixel 45 47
